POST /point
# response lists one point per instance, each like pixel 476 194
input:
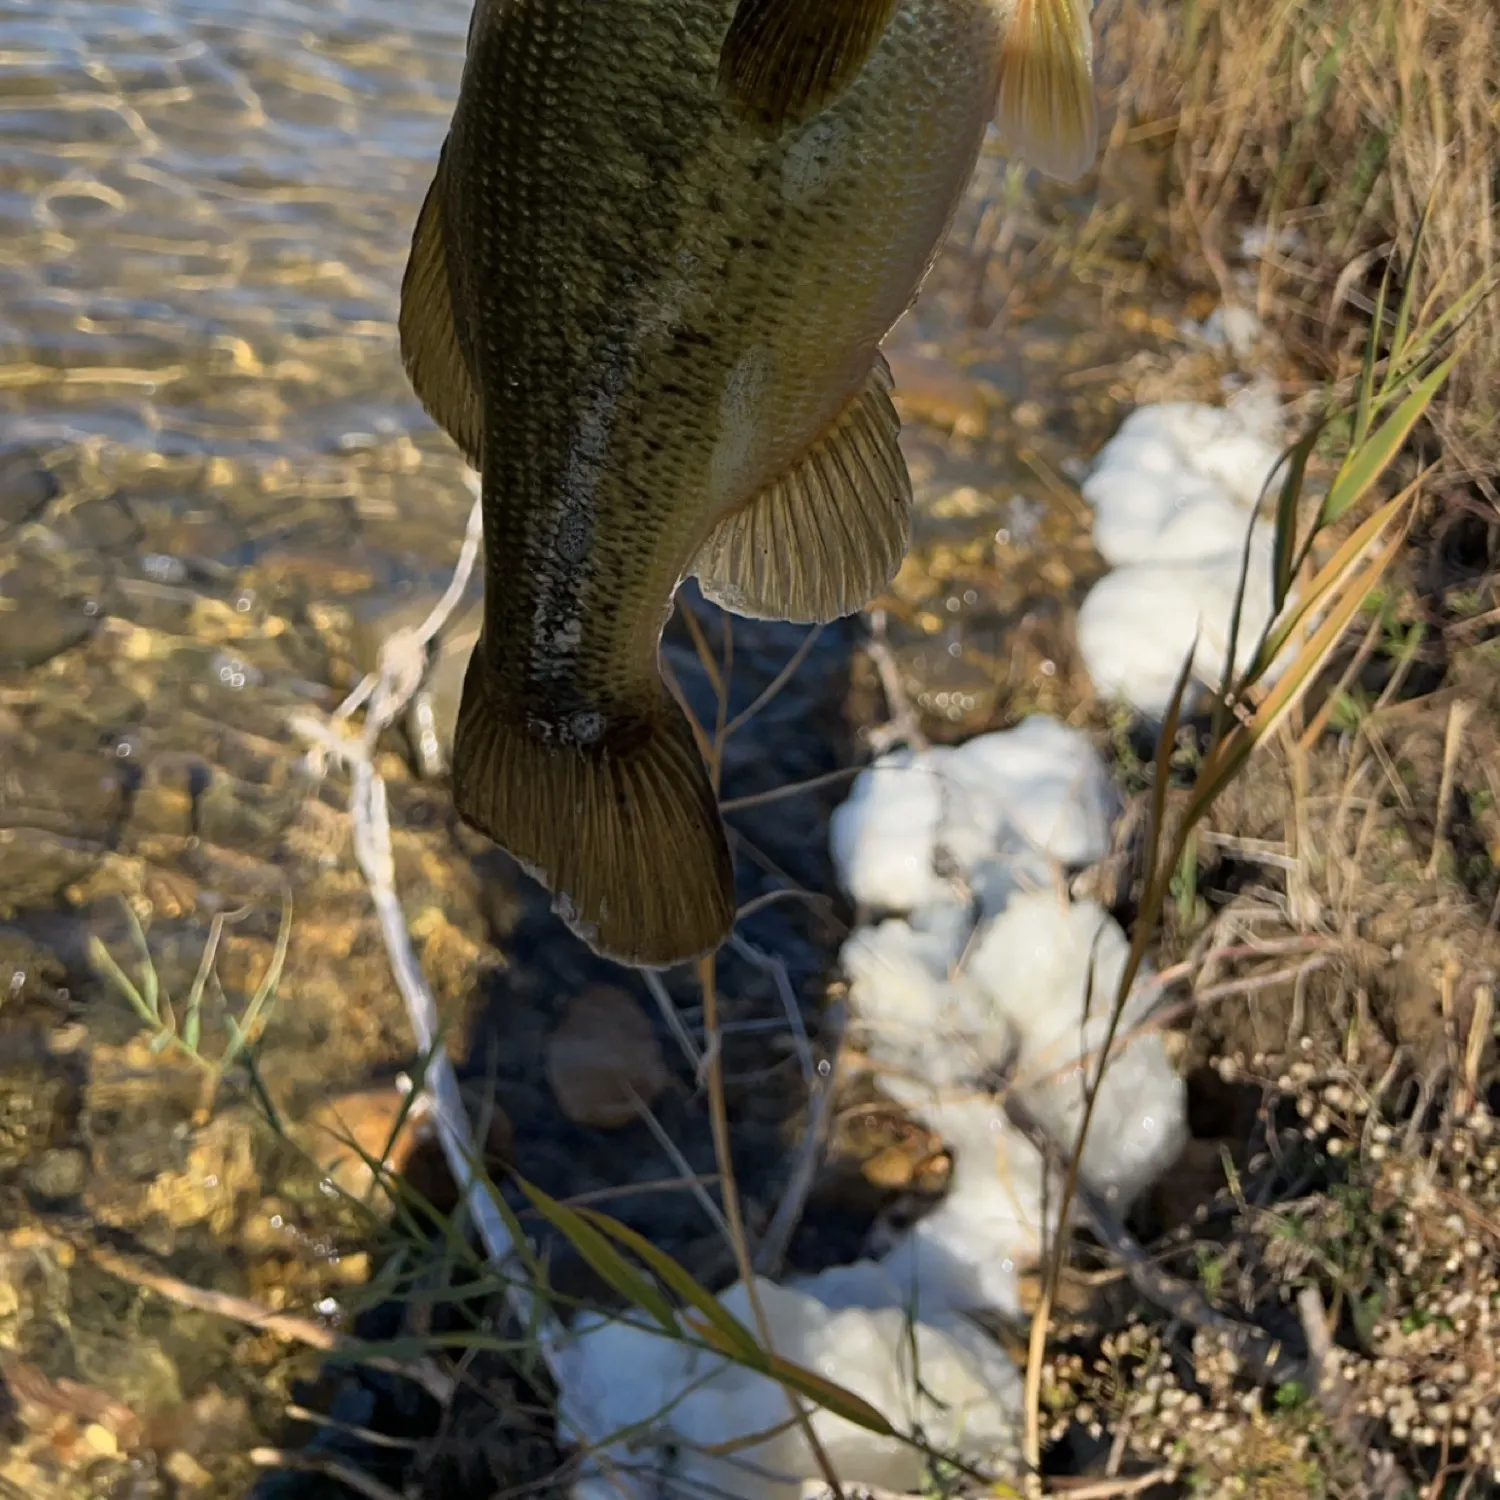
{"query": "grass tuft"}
pixel 1361 140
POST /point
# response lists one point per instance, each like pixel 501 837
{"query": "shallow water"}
pixel 213 478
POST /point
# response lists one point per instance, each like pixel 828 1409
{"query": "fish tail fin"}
pixel 616 817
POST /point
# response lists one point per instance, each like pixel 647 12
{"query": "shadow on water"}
pixel 782 872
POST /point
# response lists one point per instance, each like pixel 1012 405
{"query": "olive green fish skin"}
pixel 646 296
pixel 662 305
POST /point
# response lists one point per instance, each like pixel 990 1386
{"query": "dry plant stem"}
pixel 1109 1489
pixel 905 726
pixel 729 1191
pixel 781 679
pixel 699 1189
pixel 363 1434
pixel 1261 1355
pixel 1459 712
pixel 262 1319
pixel 791 789
pixel 1479 1034
pixel 810 1151
pixel 1384 1479
pixel 711 1069
pixel 326 1466
pixel 403 663
pixel 674 1021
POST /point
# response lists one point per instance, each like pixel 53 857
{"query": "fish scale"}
pixel 646 295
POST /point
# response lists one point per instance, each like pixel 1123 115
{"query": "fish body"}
pixel 646 297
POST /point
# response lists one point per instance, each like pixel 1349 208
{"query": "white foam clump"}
pixel 1053 971
pixel 988 976
pixel 883 836
pixel 940 1376
pixel 1034 1000
pixel 999 979
pixel 1174 495
pixel 917 821
pixel 969 1253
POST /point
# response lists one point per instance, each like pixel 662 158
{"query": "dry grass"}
pixel 1330 124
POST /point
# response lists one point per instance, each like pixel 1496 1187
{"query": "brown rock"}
pixel 602 1057
pixel 348 1132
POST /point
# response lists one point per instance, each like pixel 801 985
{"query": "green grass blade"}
pixel 1413 266
pixel 603 1257
pixel 1286 555
pixel 104 964
pixel 1365 465
pixel 1364 407
pixel 1160 784
pixel 1340 565
pixel 724 1332
pixel 150 982
pixel 1451 320
pixel 831 1397
pixel 1225 761
pixel 244 1032
pixel 192 1020
pixel 733 1337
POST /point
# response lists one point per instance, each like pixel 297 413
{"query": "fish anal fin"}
pixel 1047 113
pixel 784 60
pixel 827 536
pixel 622 827
pixel 430 350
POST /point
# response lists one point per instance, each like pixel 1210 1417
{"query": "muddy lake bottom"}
pixel 216 495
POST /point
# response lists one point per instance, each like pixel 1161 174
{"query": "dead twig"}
pixel 262 1319
pixel 325 1465
pixel 1384 1479
pixel 384 694
pixel 1259 1354
pixel 810 1151
pixel 905 726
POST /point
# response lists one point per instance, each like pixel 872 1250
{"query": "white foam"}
pixel 884 836
pixel 1175 495
pixel 1036 795
pixel 1039 788
pixel 989 978
pixel 940 1376
pixel 927 1027
pixel 1052 969
pixel 970 1252
pixel 996 978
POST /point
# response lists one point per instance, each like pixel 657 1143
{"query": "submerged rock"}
pixel 603 1058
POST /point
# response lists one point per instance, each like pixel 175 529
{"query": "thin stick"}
pixel 776 684
pixel 1108 1489
pixel 327 1466
pixel 810 1151
pixel 790 789
pixel 768 963
pixel 674 1021
pixel 905 726
pixel 718 1116
pixel 254 1315
pixel 402 666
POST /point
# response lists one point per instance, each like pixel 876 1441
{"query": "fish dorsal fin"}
pixel 430 350
pixel 787 59
pixel 1047 114
pixel 826 537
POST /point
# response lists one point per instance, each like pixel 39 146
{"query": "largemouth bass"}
pixel 646 296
